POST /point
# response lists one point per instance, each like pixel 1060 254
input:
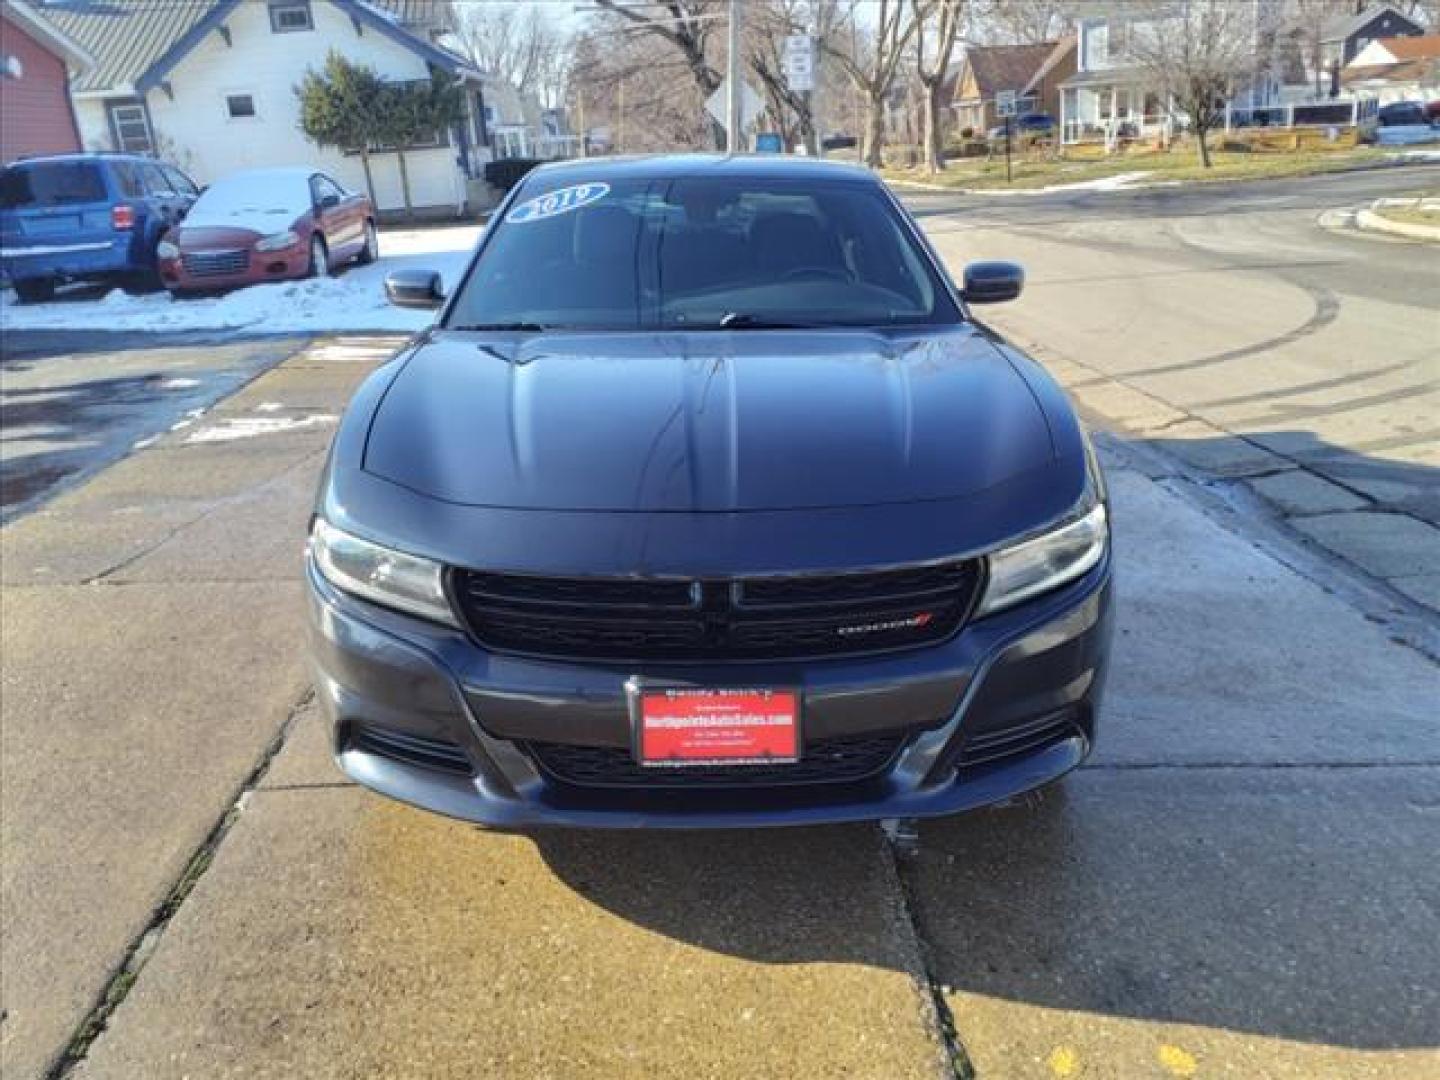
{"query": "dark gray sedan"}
pixel 706 502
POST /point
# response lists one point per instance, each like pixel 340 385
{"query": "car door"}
pixel 335 216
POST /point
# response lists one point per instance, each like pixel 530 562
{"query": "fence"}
pixel 1340 113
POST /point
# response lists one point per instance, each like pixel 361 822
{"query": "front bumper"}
pixel 77 261
pixel 260 266
pixel 1039 667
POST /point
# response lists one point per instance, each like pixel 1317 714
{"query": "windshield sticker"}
pixel 557 202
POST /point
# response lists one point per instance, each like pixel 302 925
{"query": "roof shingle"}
pixel 124 36
pixel 1006 67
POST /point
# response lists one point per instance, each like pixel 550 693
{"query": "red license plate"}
pixel 683 726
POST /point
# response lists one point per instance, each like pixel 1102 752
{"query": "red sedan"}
pixel 267 225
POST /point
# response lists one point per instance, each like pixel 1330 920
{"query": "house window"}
pixel 240 106
pixel 130 126
pixel 287 16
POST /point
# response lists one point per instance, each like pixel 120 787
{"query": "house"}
pixel 1110 95
pixel 1344 37
pixel 36 62
pixel 1396 69
pixel 209 85
pixel 1034 73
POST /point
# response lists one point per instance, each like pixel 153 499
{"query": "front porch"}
pixel 1114 112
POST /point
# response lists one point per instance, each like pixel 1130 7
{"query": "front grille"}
pixel 215 263
pixel 824 761
pixel 988 747
pixel 760 618
pixel 401 746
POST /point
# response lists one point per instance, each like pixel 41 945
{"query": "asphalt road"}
pixel 1238 331
pixel 1241 881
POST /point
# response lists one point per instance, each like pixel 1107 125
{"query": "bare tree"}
pixel 1196 53
pixel 937 29
pixel 768 23
pixel 517 43
pixel 872 66
pixel 1025 22
pixel 686 25
pixel 642 102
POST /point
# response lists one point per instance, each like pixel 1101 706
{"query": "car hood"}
pixel 203 238
pixel 737 421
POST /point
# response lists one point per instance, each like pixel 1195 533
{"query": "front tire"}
pixel 371 249
pixel 35 290
pixel 319 258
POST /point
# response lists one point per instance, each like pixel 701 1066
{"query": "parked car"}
pixel 1401 123
pixel 707 502
pixel 86 217
pixel 1027 128
pixel 267 225
pixel 1402 114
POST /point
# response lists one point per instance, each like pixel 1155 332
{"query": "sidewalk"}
pixel 1239 880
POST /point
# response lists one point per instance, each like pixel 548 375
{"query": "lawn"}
pixel 1180 165
pixel 1425 210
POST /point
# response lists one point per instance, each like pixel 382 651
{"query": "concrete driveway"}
pixel 1241 882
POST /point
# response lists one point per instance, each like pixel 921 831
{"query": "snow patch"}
pixel 248 427
pixel 179 384
pixel 354 300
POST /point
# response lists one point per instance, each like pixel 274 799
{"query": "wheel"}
pixel 371 250
pixel 35 290
pixel 319 258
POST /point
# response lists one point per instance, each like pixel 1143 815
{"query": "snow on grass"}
pixel 352 300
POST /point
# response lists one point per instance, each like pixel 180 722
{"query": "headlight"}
pixel 1035 566
pixel 278 241
pixel 390 578
pixel 167 250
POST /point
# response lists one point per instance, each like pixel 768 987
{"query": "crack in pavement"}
pixel 122 980
pixel 934 1008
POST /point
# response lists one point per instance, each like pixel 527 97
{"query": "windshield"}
pixel 51 184
pixel 701 254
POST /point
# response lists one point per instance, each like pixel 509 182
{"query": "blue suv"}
pixel 87 217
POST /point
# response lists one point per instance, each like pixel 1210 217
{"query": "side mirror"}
pixel 993 282
pixel 414 288
pixel 329 202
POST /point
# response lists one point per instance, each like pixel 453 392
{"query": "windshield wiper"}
pixel 739 320
pixel 524 327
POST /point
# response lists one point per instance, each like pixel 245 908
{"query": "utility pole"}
pixel 735 138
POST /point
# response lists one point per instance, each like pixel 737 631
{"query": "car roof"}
pixel 97 156
pixel 675 166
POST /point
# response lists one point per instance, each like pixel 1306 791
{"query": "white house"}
pixel 1109 95
pixel 1396 69
pixel 210 85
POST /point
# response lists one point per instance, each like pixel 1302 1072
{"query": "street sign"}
pixel 769 142
pixel 1005 103
pixel 797 62
pixel 751 104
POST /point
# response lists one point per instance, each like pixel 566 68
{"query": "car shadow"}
pixel 1269 890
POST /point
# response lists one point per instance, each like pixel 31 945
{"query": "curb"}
pixel 1394 161
pixel 1373 222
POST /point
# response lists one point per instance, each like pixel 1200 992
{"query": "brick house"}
pixel 36 60
pixel 1032 72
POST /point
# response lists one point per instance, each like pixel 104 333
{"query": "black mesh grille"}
pixel 412 749
pixel 992 746
pixel 824 761
pixel 773 618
